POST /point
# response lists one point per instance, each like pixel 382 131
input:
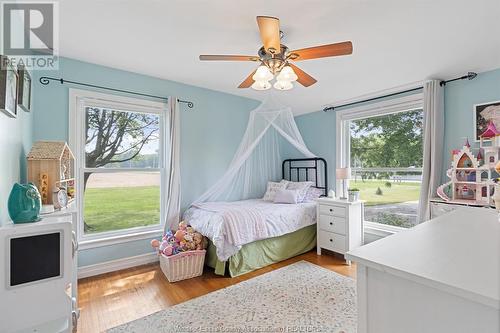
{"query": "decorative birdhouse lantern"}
pixel 51 169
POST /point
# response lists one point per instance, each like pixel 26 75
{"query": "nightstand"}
pixel 339 225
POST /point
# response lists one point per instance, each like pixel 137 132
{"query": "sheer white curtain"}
pixel 258 157
pixel 433 145
pixel 172 165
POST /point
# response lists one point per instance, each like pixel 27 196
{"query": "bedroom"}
pixel 387 112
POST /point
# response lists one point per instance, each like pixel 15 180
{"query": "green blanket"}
pixel 264 252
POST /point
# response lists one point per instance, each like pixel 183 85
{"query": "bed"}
pixel 250 234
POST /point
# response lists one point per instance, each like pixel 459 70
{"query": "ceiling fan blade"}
pixel 269 28
pixel 212 57
pixel 303 78
pixel 329 50
pixel 248 81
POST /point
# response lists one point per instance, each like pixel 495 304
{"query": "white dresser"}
pixel 339 225
pixel 439 276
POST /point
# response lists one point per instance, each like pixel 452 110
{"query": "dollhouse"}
pixel 489 141
pixel 471 177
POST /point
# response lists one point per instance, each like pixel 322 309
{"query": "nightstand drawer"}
pixel 332 224
pixel 332 210
pixel 331 241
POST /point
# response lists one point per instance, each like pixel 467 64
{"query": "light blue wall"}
pixel 210 133
pixel 16 138
pixel 318 128
pixel 459 99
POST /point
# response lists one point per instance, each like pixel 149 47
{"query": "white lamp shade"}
pixel 287 74
pixel 343 173
pixel 261 85
pixel 262 74
pixel 283 85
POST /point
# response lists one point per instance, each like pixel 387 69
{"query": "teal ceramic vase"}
pixel 24 203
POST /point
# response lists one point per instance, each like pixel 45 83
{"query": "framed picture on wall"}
pixel 8 89
pixel 24 91
pixel 483 113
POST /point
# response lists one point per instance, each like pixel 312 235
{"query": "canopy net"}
pixel 258 159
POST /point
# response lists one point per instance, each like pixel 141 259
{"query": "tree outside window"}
pixel 121 176
pixel 386 155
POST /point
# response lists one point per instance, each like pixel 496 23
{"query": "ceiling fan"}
pixel 276 58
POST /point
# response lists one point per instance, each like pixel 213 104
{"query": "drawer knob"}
pixel 331 210
pixel 331 240
pixel 331 223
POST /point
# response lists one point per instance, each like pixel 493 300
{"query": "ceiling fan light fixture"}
pixel 283 85
pixel 262 74
pixel 261 85
pixel 287 74
pixel 276 59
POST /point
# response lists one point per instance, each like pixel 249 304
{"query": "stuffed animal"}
pixel 179 235
pixel 155 243
pixel 188 237
pixel 171 240
pixel 183 225
pixel 162 246
pixel 198 241
pixel 184 239
pixel 168 250
pixel 191 246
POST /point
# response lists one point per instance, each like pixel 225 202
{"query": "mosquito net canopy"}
pixel 258 159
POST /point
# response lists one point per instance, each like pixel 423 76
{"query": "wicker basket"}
pixel 184 265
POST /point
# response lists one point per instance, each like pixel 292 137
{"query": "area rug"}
pixel 301 297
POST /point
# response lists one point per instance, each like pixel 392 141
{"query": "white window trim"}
pixel 394 105
pixel 77 99
pixel 112 240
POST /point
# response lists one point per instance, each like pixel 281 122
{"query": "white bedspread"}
pixel 232 224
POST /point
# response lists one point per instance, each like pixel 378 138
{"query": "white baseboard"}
pixel 116 265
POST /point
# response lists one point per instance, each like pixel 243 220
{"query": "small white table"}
pixel 339 225
pixel 46 305
pixel 440 276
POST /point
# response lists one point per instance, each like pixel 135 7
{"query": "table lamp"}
pixel 343 174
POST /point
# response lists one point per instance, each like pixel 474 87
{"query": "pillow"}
pixel 313 193
pixel 287 196
pixel 272 188
pixel 302 187
pixel 284 181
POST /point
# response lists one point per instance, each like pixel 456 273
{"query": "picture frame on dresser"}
pixel 24 90
pixel 8 88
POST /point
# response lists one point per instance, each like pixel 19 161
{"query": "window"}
pixel 382 143
pixel 118 143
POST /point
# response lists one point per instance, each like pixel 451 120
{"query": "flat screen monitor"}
pixel 34 258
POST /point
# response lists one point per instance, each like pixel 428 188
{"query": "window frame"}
pixel 343 138
pixel 78 100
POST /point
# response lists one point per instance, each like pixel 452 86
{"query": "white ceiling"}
pixel 396 42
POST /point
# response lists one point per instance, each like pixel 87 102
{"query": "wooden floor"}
pixel 111 299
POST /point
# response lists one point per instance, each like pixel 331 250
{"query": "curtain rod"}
pixel 469 76
pixel 45 80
